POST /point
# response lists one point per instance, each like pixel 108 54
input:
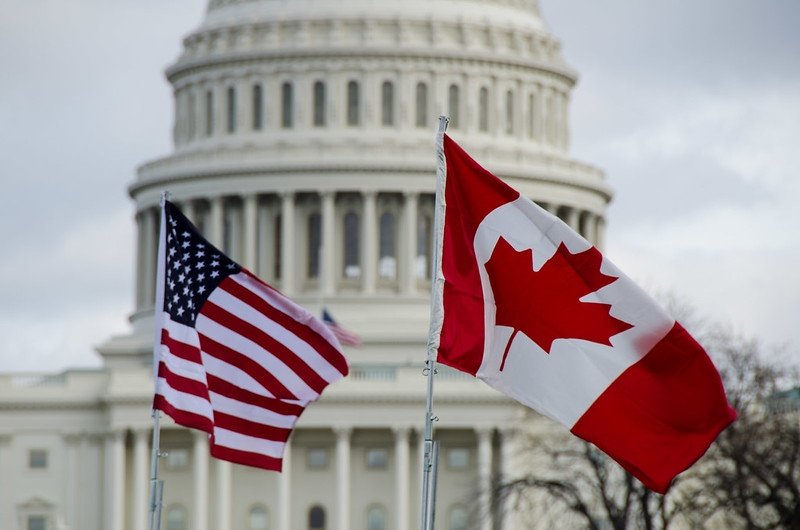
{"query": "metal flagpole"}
pixel 156 485
pixel 429 465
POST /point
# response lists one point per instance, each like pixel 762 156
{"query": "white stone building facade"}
pixel 304 147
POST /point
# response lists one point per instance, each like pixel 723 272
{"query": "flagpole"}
pixel 156 485
pixel 428 500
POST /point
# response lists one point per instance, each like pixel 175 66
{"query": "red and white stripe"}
pixel 246 371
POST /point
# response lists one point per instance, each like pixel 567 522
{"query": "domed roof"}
pixel 508 13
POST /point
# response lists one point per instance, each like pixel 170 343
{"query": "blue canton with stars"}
pixel 194 268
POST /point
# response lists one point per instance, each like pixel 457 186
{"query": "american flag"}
pixel 345 336
pixel 233 356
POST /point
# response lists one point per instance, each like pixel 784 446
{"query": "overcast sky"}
pixel 691 108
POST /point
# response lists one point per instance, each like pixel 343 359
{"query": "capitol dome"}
pixel 299 122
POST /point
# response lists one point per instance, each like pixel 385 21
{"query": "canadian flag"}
pixel 535 311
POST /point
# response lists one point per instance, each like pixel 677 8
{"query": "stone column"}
pixel 215 230
pixel 408 269
pixel 401 454
pixel 600 232
pixel 343 476
pixel 369 255
pixel 287 243
pixel 223 495
pixel 115 480
pixel 200 484
pixel 72 505
pixel 285 489
pixel 149 257
pixel 573 217
pixel 140 504
pixel 189 210
pixel 138 287
pixel 507 466
pixel 485 478
pixel 327 264
pixel 250 239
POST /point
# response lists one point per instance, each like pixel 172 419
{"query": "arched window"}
pixel 424 246
pixel 387 103
pixel 422 105
pixel 510 112
pixel 258 518
pixel 176 518
pixel 209 113
pixel 353 104
pixel 352 264
pixel 387 264
pixel 258 107
pixel 376 518
pixel 453 105
pixel 277 249
pixel 314 240
pixel 531 115
pixel 458 518
pixel 231 106
pixel 319 104
pixel 316 518
pixel 287 105
pixel 483 109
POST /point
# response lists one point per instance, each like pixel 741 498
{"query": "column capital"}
pixel 484 432
pixel 115 434
pixel 402 431
pixel 286 194
pixel 342 431
pixel 327 193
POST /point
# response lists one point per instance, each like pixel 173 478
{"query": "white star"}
pixel 185 291
pixel 186 234
pixel 180 311
pixel 215 263
pixel 214 274
pixel 175 298
pixel 201 277
pixel 201 289
pixel 200 254
pixel 185 244
pixel 181 278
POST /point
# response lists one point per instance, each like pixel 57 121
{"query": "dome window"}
pixel 319 104
pixel 352 265
pixel 510 112
pixel 483 110
pixel 231 100
pixel 387 103
pixel 453 106
pixel 387 264
pixel 353 104
pixel 258 107
pixel 316 518
pixel 314 244
pixel 422 104
pixel 209 113
pixel 287 105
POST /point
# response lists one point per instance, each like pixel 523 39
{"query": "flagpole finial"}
pixel 165 196
pixel 443 122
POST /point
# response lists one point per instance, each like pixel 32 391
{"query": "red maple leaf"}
pixel 545 305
